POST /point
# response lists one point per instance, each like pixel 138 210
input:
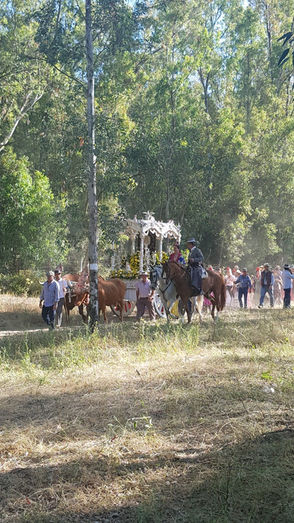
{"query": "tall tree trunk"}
pixel 92 197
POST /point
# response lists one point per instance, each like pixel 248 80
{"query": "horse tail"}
pixel 222 296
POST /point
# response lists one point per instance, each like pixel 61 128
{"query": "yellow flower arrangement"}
pixel 134 263
pixel 164 257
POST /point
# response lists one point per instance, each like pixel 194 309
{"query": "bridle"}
pixel 180 267
pixel 164 290
pixel 168 282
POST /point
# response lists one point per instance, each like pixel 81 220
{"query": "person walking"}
pixel 49 295
pixel 244 284
pixel 266 282
pixel 287 277
pixel 62 290
pixel 229 281
pixel 144 293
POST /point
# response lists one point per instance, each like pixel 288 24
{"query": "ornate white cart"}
pixel 146 236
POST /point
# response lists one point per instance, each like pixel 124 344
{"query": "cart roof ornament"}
pixel 149 224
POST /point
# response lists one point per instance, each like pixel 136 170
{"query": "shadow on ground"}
pixel 252 481
pixel 199 474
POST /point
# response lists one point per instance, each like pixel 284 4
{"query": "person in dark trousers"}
pixel 144 293
pixel 62 289
pixel 195 261
pixel 49 296
pixel 267 282
pixel 243 283
pixel 287 277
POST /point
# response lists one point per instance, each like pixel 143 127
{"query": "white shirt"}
pixel 144 289
pixel 62 287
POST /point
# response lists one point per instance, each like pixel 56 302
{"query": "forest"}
pixel 194 122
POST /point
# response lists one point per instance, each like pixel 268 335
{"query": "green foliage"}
pixel 28 234
pixel 194 121
pixel 24 283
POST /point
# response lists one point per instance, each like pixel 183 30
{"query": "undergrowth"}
pixel 150 422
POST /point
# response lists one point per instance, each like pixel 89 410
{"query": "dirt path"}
pixel 4 334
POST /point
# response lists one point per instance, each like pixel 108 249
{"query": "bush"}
pixel 24 283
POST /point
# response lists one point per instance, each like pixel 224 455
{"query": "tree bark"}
pixel 92 196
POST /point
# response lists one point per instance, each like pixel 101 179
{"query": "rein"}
pixel 164 291
pixel 182 269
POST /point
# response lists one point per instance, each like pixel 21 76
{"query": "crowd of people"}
pixel 275 283
pixel 241 287
pixel 249 289
pixel 244 288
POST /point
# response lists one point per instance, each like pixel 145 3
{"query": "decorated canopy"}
pixel 147 225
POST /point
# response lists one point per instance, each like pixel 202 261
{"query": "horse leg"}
pixel 166 312
pixel 199 306
pixel 212 311
pixel 193 305
pixel 188 310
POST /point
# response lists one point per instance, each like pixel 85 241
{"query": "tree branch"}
pixel 27 105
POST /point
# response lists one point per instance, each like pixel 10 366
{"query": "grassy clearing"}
pixel 19 314
pixel 150 423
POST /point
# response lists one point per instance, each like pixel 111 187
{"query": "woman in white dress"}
pixel 229 280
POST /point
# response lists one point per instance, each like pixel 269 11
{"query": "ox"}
pixel 110 292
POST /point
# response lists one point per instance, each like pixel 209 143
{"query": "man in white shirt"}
pixel 287 284
pixel 62 289
pixel 144 294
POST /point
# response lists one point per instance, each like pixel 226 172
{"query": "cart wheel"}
pixel 128 308
pixel 158 305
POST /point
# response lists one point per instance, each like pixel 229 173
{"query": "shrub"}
pixel 24 283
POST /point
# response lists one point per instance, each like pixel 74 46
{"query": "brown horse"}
pixel 213 286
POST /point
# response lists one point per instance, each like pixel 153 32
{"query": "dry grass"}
pixel 19 314
pixel 150 423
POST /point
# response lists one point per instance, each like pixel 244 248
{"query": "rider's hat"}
pixel 286 266
pixel 191 240
pixel 244 270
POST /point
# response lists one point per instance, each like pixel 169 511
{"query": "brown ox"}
pixel 110 292
pixel 77 296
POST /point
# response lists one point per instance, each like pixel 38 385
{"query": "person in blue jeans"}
pixel 49 299
pixel 243 283
pixel 287 285
pixel 267 282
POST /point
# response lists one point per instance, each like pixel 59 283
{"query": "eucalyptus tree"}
pixel 22 81
pixel 109 27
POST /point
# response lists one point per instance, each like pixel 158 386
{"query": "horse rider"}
pixel 195 261
pixel 176 255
